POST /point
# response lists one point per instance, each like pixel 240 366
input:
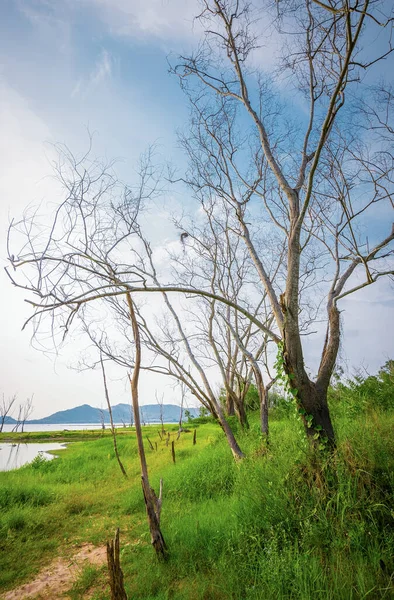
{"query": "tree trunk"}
pixel 152 511
pixel 230 411
pixel 235 449
pixel 311 398
pixel 317 419
pixel 264 412
pixel 241 414
pixel 113 430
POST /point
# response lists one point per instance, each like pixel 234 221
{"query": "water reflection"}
pixel 13 456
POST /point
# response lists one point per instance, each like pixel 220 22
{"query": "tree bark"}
pixel 241 413
pixel 235 449
pixel 230 411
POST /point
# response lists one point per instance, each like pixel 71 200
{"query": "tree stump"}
pixel 115 572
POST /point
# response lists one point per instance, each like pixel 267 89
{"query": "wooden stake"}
pixel 194 437
pixel 173 451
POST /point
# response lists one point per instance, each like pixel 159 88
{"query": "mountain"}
pixel 9 421
pixel 87 414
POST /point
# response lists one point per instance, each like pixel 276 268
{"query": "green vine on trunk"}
pixel 287 381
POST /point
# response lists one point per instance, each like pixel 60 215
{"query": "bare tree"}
pixel 215 258
pixel 24 412
pixel 113 429
pixel 6 408
pixel 152 502
pixel 316 180
pixel 102 418
pixel 160 403
pixel 183 397
pixel 79 263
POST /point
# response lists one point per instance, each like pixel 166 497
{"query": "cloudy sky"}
pixel 69 65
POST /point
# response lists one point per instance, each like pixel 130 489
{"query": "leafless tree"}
pixel 183 397
pixel 160 403
pixel 24 412
pixel 152 502
pixel 102 418
pixel 316 179
pixel 6 407
pixel 214 258
pixel 113 429
pixel 77 262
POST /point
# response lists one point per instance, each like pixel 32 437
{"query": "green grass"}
pixel 280 524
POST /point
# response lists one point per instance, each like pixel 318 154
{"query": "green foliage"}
pixel 189 416
pixel 361 394
pixel 252 400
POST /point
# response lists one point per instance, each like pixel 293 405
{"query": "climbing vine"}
pixel 287 381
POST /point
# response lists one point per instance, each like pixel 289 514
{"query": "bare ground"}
pixel 55 580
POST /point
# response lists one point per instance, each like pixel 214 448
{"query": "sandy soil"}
pixel 53 582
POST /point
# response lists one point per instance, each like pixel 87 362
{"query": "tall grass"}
pixel 280 524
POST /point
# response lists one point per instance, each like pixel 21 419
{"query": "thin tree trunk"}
pixel 241 413
pixel 113 430
pixel 235 449
pixel 230 410
pixel 152 504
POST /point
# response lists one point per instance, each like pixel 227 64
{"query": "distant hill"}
pixel 87 414
pixel 9 421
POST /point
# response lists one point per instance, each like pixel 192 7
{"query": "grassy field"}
pixel 273 526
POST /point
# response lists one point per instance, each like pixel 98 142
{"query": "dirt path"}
pixel 53 582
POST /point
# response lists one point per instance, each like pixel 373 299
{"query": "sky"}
pixel 71 65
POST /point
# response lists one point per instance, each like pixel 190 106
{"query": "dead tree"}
pixel 313 187
pixel 102 418
pixel 5 409
pixel 152 503
pixel 160 403
pixel 183 396
pixel 24 412
pixel 111 420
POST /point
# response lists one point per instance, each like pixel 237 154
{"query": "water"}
pixel 30 428
pixel 13 456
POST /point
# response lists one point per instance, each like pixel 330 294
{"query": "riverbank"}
pixel 275 525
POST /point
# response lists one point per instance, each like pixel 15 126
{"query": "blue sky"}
pixel 70 64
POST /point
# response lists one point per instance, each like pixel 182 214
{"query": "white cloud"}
pixel 164 19
pixel 101 71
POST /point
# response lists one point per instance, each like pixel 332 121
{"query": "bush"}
pixel 361 394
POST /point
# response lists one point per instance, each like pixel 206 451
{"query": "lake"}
pixel 13 456
pixel 30 428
